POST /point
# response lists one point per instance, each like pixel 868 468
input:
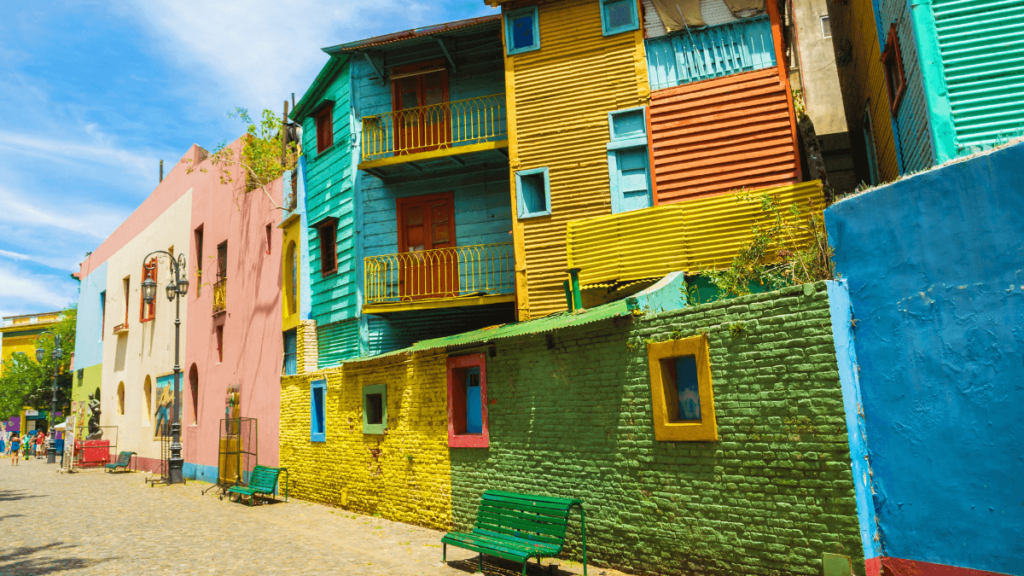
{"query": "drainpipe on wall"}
pixel 161 170
pixel 577 299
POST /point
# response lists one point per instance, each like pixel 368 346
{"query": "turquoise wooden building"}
pixel 407 191
pixel 954 71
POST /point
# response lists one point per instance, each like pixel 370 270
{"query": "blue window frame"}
pixel 629 170
pixel 474 417
pixel 317 411
pixel 290 353
pixel 533 193
pixel 522 32
pixel 619 16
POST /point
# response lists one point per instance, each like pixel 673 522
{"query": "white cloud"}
pixel 262 50
pixel 24 292
pixel 89 220
pixel 97 151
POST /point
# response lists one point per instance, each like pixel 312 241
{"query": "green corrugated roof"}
pixel 538 326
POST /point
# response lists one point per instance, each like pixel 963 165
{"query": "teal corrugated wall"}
pixel 982 46
pixel 911 125
pixel 403 329
pixel 337 342
pixel 329 192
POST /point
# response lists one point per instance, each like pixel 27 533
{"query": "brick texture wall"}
pixel 402 475
pixel 570 415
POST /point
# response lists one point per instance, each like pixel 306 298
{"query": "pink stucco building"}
pixel 234 321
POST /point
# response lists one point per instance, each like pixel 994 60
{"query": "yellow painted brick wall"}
pixel 403 475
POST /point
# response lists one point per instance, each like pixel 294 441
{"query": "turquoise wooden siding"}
pixel 710 52
pixel 329 179
pixel 403 329
pixel 982 48
pixel 338 341
pixel 913 135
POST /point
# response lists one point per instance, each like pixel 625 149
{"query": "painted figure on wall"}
pixel 164 404
pixel 94 420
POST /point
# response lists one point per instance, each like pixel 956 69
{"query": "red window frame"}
pixel 327 229
pixel 457 402
pixel 892 62
pixel 325 128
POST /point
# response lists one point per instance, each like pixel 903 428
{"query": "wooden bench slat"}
pixel 567 502
pixel 522 514
pixel 532 544
pixel 496 542
pixel 512 532
pixel 485 549
pixel 529 508
pixel 517 502
pixel 525 525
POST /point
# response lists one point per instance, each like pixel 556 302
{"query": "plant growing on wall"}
pixel 260 160
pixel 791 249
pixel 25 382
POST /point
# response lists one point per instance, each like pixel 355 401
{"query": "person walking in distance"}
pixel 15 445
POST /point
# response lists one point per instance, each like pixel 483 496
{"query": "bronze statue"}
pixel 95 433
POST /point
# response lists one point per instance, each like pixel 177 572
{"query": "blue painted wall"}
pixel 305 298
pixel 88 346
pixel 935 265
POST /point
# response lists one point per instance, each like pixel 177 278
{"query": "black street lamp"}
pixel 57 354
pixel 176 288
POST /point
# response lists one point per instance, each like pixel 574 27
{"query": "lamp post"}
pixel 176 288
pixel 57 354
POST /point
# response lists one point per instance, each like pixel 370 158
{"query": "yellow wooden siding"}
pixel 559 102
pixel 862 79
pixel 688 236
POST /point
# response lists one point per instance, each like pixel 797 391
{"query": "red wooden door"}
pixel 425 126
pixel 426 227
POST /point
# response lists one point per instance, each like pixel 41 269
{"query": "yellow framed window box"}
pixel 681 391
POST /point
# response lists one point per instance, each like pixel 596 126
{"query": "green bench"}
pixel 518 527
pixel 262 480
pixel 124 460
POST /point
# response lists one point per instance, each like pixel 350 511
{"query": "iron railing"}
pixel 436 126
pixel 442 273
pixel 220 296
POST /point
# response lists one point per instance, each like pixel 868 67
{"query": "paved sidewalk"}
pixel 96 523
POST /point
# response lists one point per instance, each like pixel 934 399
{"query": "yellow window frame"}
pixel 663 392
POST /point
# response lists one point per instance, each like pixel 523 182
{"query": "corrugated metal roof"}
pixel 411 34
pixel 540 325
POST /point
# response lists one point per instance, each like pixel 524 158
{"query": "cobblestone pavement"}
pixel 97 523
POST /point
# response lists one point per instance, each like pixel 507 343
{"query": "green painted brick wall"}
pixel 571 416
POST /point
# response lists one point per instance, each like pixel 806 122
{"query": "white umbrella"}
pixel 60 426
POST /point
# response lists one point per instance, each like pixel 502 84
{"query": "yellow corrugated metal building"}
pixel 862 81
pixel 559 97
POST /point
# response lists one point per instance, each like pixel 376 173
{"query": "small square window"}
pixel 375 409
pixel 522 33
pixel 892 61
pixel 618 16
pixel 533 193
pixel 681 391
pixel 317 408
pixel 467 401
pixel 826 27
pixel 625 124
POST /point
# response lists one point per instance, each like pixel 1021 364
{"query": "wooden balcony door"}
pixel 426 224
pixel 416 87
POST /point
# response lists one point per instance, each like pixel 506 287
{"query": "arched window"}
pixel 193 384
pixel 120 399
pixel 292 277
pixel 147 392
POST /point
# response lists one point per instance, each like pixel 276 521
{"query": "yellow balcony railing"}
pixel 436 126
pixel 220 296
pixel 444 273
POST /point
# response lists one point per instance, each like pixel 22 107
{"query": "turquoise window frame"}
pixel 634 24
pixel 521 200
pixel 381 389
pixel 512 15
pixel 618 143
pixel 318 433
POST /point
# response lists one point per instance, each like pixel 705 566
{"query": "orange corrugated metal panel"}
pixel 862 78
pixel 559 99
pixel 687 236
pixel 722 134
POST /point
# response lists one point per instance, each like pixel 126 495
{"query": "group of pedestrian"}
pixel 32 444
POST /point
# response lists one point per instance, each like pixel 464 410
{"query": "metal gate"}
pixel 237 450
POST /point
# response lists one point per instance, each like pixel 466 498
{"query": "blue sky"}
pixel 92 96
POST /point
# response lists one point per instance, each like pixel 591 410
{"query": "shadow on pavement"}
pixel 499 567
pixel 20 561
pixel 12 495
pixel 6 516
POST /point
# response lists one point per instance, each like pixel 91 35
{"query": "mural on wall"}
pixel 164 404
